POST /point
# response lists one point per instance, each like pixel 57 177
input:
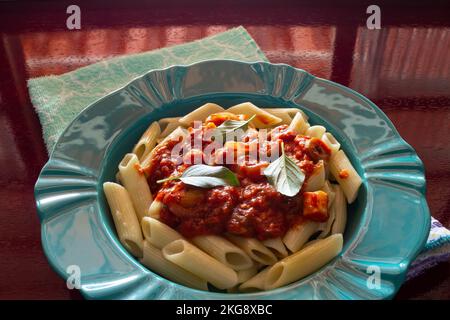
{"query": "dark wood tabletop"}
pixel 404 68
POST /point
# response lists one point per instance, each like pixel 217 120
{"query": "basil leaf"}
pixel 285 175
pixel 204 176
pixel 230 126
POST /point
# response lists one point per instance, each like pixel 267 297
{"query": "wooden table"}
pixel 404 68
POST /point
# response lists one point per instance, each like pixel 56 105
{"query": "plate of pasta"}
pixel 230 180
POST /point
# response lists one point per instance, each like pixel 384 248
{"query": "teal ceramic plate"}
pixel 387 226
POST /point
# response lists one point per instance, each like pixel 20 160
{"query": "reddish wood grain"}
pixel 404 68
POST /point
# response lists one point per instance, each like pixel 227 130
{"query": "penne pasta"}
pixel 155 261
pixel 280 113
pixel 196 237
pixel 346 175
pixel 315 131
pixel 263 119
pixel 317 179
pixel 276 245
pixel 163 122
pixel 157 233
pixel 246 274
pixel 148 141
pixel 311 242
pixel 178 134
pixel 154 209
pixel 118 179
pixel 299 234
pixel 291 112
pixel 194 260
pixel 331 142
pixel 125 218
pixel 327 187
pixel 340 209
pixel 136 184
pixel 168 125
pixel 169 129
pixel 255 249
pixel 299 124
pixel 326 226
pixel 303 262
pixel 200 114
pixel 224 251
pixel 256 283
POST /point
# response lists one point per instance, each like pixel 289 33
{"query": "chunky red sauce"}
pixel 343 174
pixel 255 208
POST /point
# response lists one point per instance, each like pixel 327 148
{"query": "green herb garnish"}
pixel 204 176
pixel 285 175
pixel 231 126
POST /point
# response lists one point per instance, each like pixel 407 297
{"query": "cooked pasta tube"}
pixel 317 179
pixel 276 245
pixel 299 124
pixel 194 260
pixel 163 122
pixel 155 208
pixel 157 233
pixel 230 262
pixel 224 251
pixel 148 141
pixel 331 142
pixel 291 112
pixel 125 218
pixel 299 234
pixel 201 113
pixel 136 184
pixel 303 262
pixel 263 119
pixel 256 283
pixel 280 113
pixel 168 125
pixel 118 179
pixel 155 261
pixel 170 128
pixel 177 134
pixel 310 243
pixel 327 187
pixel 315 131
pixel 340 208
pixel 326 226
pixel 246 274
pixel 346 175
pixel 255 249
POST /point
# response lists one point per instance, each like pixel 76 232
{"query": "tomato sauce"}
pixel 253 209
pixel 344 174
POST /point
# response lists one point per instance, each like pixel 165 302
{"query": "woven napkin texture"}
pixel 59 99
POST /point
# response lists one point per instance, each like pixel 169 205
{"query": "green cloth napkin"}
pixel 58 99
